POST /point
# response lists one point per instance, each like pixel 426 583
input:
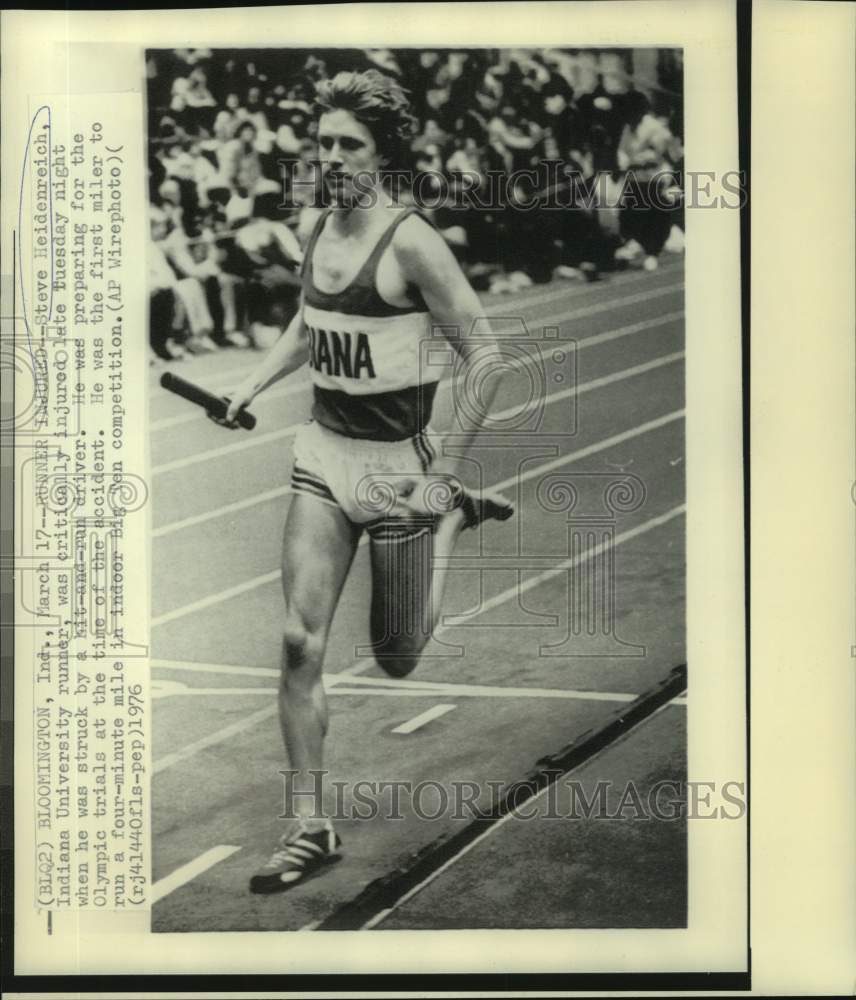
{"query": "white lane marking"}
pixel 536 581
pixel 499 307
pixel 592 449
pixel 238 727
pixel 597 383
pixel 178 689
pixel 258 439
pixel 214 668
pixel 393 685
pixel 417 692
pixel 186 873
pixel 209 741
pixel 556 463
pixel 223 595
pixel 251 441
pixel 229 508
pixel 418 721
pixel 452 690
pixel 280 491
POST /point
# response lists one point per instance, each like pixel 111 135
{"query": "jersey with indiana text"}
pixel 367 357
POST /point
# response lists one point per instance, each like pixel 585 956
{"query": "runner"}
pixel 376 279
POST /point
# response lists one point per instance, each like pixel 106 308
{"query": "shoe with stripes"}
pixel 299 852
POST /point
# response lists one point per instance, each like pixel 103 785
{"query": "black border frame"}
pixel 388 983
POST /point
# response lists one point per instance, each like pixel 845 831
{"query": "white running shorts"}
pixel 361 478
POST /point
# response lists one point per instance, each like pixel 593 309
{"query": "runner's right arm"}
pixel 287 355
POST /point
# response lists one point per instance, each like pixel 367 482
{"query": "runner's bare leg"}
pixel 407 592
pixel 318 548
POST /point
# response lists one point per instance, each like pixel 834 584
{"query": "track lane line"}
pixel 214 738
pixel 418 721
pixel 214 668
pixel 363 685
pixel 466 691
pixel 186 873
pixel 229 508
pixel 450 689
pixel 330 681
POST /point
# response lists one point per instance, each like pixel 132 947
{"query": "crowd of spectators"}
pixel 232 171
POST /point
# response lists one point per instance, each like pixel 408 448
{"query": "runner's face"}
pixel 346 149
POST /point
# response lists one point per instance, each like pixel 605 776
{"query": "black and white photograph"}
pixel 417 459
pixel 421 488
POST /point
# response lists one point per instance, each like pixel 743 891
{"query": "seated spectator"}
pixel 266 254
pixel 164 337
pixel 190 275
pixel 225 293
pixel 254 107
pixel 240 152
pixel 174 301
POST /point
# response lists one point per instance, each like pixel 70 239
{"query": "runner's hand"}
pixel 240 398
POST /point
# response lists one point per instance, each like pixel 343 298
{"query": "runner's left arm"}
pixel 427 262
pixel 287 355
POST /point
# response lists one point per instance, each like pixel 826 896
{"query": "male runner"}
pixel 376 278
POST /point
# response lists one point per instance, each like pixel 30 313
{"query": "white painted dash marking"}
pixel 186 873
pixel 418 721
pixel 248 722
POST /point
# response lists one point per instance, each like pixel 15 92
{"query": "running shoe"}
pixel 201 344
pixel 173 350
pixel 299 852
pixel 237 339
pixel 567 272
pixel 518 280
pixel 485 506
pixel 628 251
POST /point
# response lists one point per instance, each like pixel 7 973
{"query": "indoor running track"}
pixel 489 700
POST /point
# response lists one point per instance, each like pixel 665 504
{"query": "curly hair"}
pixel 377 101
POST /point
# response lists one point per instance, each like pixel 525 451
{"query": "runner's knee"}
pixel 303 644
